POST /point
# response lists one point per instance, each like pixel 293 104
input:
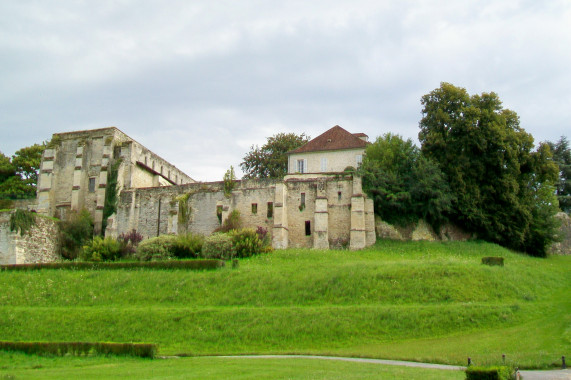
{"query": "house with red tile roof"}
pixel 330 152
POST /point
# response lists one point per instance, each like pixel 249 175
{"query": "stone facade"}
pixel 301 211
pixel 38 245
pixel 73 172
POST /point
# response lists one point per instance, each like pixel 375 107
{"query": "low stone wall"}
pixel 419 231
pixel 564 246
pixel 38 245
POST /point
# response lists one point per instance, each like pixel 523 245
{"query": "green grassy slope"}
pixel 405 300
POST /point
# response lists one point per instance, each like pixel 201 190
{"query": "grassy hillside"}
pixel 401 300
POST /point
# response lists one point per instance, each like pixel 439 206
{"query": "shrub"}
pixel 78 265
pixel 188 246
pixel 246 242
pixel 157 248
pixel 22 220
pixel 100 249
pixel 75 233
pixel 488 373
pixel 129 242
pixel 218 246
pixel 232 222
pixel 144 350
pixel 493 260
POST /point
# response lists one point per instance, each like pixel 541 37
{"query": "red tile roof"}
pixel 334 139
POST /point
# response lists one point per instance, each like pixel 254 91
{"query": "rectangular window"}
pixel 359 159
pixel 116 152
pixel 324 164
pixel 307 228
pixel 300 166
pixel 338 195
pixel 302 203
pixel 92 184
pixel 270 210
pixel 254 208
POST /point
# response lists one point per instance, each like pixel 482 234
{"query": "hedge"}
pixel 488 373
pixel 171 264
pixel 144 350
pixel 493 260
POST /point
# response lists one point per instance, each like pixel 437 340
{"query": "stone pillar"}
pixel 100 191
pixel 77 174
pixel 358 234
pixel 371 236
pixel 45 196
pixel 321 218
pixel 280 233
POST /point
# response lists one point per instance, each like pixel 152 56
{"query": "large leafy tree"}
pixel 19 176
pixel 404 185
pixel 270 161
pixel 500 184
pixel 562 157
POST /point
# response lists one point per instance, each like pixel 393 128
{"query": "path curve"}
pixel 527 375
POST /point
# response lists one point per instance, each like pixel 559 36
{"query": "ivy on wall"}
pixel 110 204
pixel 184 211
pixel 22 220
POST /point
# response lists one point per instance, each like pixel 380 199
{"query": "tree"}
pixel 27 162
pixel 19 176
pixel 498 181
pixel 404 185
pixel 270 161
pixel 562 157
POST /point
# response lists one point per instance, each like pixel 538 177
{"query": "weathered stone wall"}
pixel 564 246
pixel 327 210
pixel 38 245
pixel 420 231
pixel 74 171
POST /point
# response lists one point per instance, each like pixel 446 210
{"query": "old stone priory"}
pixel 316 205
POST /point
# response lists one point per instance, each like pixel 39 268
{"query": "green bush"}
pixel 129 242
pixel 246 242
pixel 78 265
pixel 100 249
pixel 218 246
pixel 493 260
pixel 488 373
pixel 157 248
pixel 145 350
pixel 75 233
pixel 232 222
pixel 188 246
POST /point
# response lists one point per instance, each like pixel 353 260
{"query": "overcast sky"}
pixel 199 82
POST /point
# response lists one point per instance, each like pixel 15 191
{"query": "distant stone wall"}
pixel 564 246
pixel 38 245
pixel 299 212
pixel 420 231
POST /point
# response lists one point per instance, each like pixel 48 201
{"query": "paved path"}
pixel 527 375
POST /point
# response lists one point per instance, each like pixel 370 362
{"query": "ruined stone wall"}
pixel 273 205
pixel 38 245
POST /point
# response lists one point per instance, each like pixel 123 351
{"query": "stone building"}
pixel 77 166
pixel 330 152
pixel 320 209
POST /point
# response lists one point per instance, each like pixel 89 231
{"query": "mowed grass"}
pixel 418 301
pixel 20 366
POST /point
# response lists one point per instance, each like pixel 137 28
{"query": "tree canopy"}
pixel 19 175
pixel 404 185
pixel 562 157
pixel 270 161
pixel 503 189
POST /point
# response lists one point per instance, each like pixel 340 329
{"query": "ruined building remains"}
pixel 316 205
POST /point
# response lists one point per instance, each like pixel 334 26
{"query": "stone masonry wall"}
pixel 38 245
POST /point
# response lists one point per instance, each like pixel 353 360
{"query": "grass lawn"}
pixel 20 366
pixel 417 301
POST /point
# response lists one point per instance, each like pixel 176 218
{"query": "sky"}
pixel 200 82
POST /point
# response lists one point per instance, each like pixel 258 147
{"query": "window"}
pixel 116 152
pixel 338 195
pixel 302 166
pixel 324 164
pixel 270 213
pixel 307 228
pixel 145 161
pixel 302 202
pixel 359 159
pixel 92 184
pixel 254 208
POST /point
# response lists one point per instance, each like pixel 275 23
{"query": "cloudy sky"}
pixel 199 82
